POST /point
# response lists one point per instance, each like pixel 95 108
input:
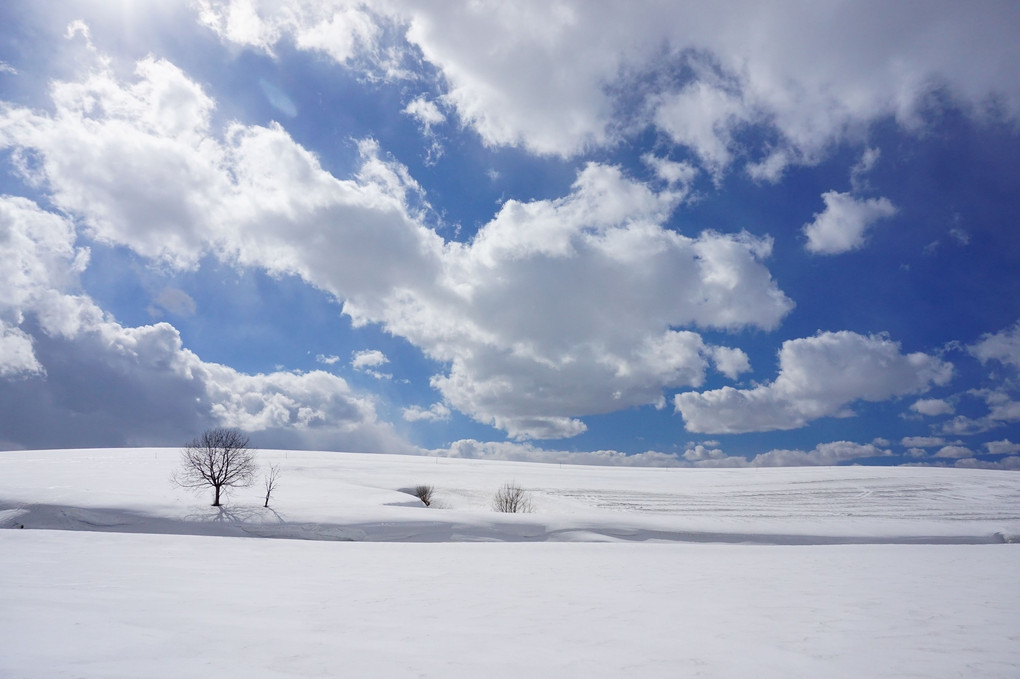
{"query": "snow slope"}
pixel 856 572
pixel 358 497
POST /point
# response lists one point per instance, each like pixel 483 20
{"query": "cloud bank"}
pixel 834 453
pixel 599 298
pixel 551 312
pixel 72 375
pixel 550 76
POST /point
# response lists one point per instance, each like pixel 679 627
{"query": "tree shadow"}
pixel 237 515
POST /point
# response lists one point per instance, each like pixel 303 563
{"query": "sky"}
pixel 727 234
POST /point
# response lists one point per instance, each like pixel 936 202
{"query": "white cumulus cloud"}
pixel 437 412
pixel 696 455
pixel 822 455
pixel 368 360
pixel 730 361
pixel 844 223
pixel 932 407
pixel 1003 346
pixel 836 452
pixel 818 376
pixel 923 441
pixel 704 118
pixel 1003 447
pixel 1011 463
pixel 342 30
pixel 955 452
pixel 670 171
pixel 16 354
pixel 526 452
pixel 424 111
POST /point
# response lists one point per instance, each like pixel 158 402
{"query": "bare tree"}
pixel 512 499
pixel 220 459
pixel 271 480
pixel 424 493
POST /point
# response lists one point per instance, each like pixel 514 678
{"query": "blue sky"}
pixel 626 234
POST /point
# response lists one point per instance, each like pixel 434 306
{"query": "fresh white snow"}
pixel 793 572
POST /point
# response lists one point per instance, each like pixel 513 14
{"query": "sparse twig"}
pixel 272 478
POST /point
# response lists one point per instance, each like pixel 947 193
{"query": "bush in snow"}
pixel 512 499
pixel 424 493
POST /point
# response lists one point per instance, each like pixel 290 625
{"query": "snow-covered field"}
pixel 793 572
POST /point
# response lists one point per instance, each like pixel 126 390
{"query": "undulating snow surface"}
pixel 346 496
pixel 794 572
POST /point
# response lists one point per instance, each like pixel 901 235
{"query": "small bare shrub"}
pixel 512 499
pixel 424 493
pixel 271 480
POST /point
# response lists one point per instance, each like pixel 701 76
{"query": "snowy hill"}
pixel 348 496
pixel 792 572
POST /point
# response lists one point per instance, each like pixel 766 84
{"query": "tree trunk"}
pixel 216 502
